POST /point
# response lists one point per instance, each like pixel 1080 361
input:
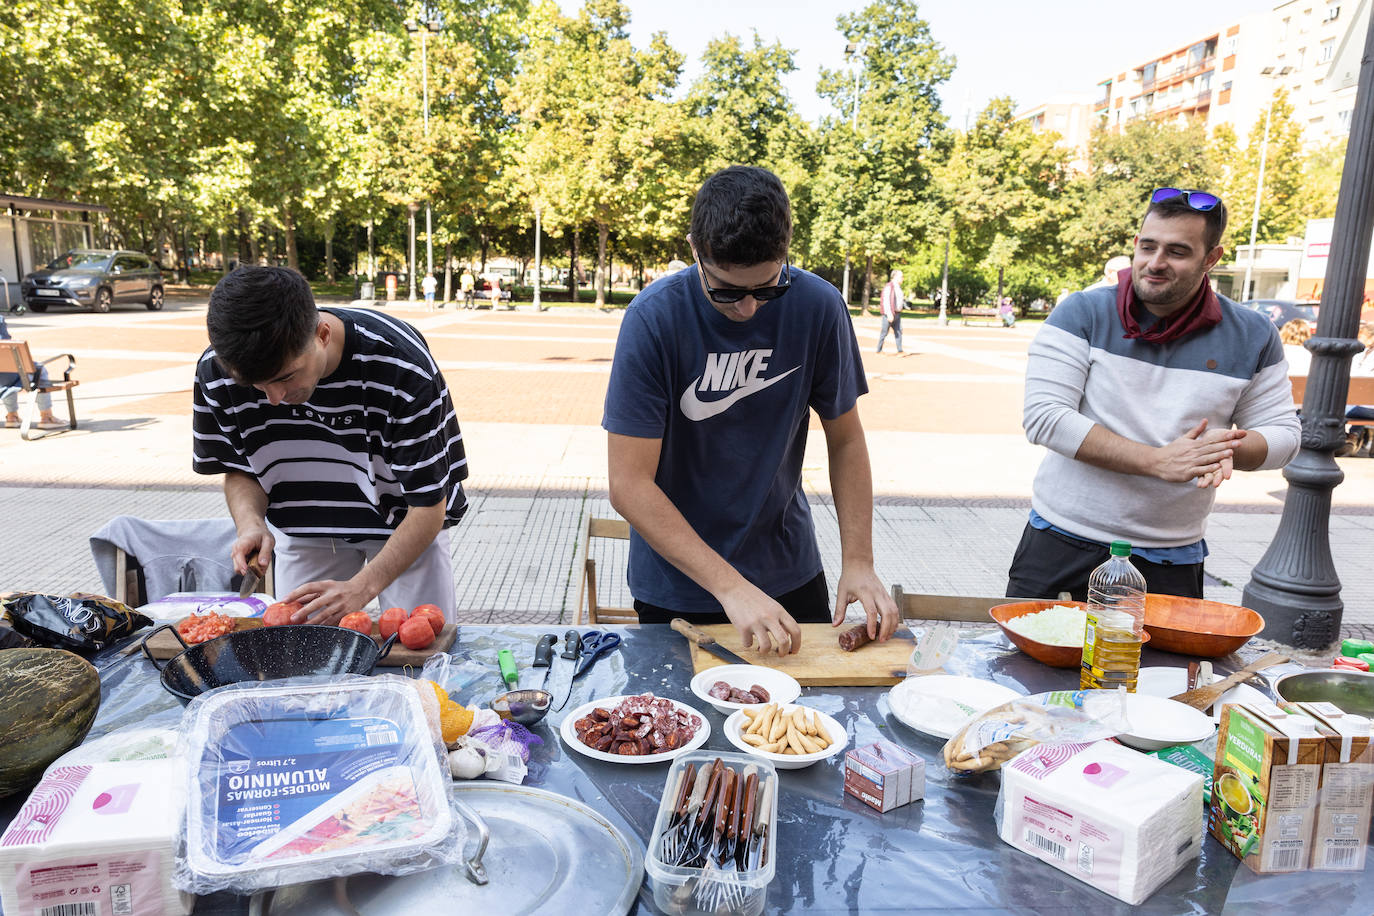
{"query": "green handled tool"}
pixel 506 661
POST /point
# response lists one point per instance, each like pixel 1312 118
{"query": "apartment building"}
pixel 1229 74
pixel 1069 116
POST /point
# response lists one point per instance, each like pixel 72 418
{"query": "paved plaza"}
pixel 952 470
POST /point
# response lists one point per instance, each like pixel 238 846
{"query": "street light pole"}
pixel 851 53
pixel 1246 291
pixel 538 258
pixel 424 28
pixel 1294 587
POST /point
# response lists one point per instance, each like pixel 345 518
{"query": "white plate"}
pixel 839 739
pixel 571 740
pixel 781 686
pixel 1157 722
pixel 1170 682
pixel 941 704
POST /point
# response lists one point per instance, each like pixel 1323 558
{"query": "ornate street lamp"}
pixel 424 27
pixel 1294 586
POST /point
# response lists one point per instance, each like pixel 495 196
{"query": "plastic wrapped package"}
pixel 80 623
pixel 1057 717
pixel 312 778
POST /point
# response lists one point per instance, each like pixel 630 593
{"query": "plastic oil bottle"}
pixel 1116 622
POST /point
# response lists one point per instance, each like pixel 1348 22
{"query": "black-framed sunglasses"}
pixel 1200 201
pixel 760 293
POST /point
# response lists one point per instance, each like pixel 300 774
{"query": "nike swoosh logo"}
pixel 695 409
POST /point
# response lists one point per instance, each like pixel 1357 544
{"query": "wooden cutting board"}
pixel 164 645
pixel 821 661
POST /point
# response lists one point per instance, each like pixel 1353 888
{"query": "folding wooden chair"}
pixel 16 353
pixel 598 613
pixel 962 608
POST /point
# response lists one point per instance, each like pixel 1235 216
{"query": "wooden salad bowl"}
pixel 1194 626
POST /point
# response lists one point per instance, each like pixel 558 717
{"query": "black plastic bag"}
pixel 81 623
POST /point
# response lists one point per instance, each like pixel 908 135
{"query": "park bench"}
pixel 980 313
pixel 15 356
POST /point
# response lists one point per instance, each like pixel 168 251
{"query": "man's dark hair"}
pixel 1175 207
pixel 741 217
pixel 260 318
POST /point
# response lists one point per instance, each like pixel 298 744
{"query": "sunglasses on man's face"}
pixel 1200 201
pixel 760 293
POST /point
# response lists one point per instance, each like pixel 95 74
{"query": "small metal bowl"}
pixel 1351 691
pixel 526 707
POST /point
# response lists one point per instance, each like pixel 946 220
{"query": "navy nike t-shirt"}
pixel 730 400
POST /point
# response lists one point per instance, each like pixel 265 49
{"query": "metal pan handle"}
pixel 386 647
pixel 476 872
pixel 154 632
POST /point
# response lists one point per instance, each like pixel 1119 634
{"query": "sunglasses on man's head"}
pixel 760 293
pixel 1200 201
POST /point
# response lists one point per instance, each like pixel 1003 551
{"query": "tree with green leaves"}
pixel 1102 207
pixel 873 195
pixel 1280 212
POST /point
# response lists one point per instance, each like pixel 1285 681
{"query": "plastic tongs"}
pixel 595 643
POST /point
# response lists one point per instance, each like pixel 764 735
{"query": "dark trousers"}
pixel 896 325
pixel 1047 563
pixel 808 604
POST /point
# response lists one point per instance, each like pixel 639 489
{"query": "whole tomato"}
pixel 416 633
pixel 431 613
pixel 358 620
pixel 391 621
pixel 280 613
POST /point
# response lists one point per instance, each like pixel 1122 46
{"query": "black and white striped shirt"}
pixel 377 435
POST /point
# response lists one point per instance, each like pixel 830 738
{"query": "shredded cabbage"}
pixel 1061 625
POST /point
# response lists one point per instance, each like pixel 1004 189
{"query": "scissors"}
pixel 595 643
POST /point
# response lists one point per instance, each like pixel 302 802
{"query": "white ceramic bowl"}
pixel 839 739
pixel 1157 722
pixel 781 686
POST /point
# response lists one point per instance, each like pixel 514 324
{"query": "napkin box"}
pixel 99 838
pixel 1112 817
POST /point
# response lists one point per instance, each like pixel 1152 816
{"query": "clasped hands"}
pixel 1202 455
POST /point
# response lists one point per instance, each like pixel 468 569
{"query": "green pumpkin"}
pixel 48 700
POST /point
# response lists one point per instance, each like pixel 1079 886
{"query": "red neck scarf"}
pixel 1199 315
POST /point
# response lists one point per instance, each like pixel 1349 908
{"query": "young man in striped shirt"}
pixel 335 427
pixel 1148 394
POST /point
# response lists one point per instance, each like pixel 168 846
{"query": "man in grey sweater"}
pixel 1148 396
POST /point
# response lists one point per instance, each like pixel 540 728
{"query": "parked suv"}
pixel 94 279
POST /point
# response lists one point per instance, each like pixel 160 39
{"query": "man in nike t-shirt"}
pixel 716 372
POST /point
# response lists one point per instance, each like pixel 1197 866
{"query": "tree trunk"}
pixel 329 272
pixel 448 271
pixel 486 240
pixel 572 270
pixel 223 253
pixel 868 282
pixel 289 229
pixel 602 268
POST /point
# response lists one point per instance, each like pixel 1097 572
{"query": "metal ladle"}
pixel 529 706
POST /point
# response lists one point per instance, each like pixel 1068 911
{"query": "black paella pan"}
pixel 265 654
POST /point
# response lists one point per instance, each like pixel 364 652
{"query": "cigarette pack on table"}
pixel 97 838
pixel 1264 786
pixel 1341 834
pixel 1110 816
pixel 884 776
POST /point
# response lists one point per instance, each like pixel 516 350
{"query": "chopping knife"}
pixel 251 577
pixel 572 648
pixel 707 642
pixel 543 656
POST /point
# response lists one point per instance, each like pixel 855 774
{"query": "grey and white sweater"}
pixel 1082 371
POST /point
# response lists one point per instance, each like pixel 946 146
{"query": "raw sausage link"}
pixel 854 637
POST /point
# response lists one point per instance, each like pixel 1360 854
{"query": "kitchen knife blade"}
pixel 572 649
pixel 543 656
pixel 707 642
pixel 251 578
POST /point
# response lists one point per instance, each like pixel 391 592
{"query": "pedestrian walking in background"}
pixel 468 287
pixel 892 302
pixel 428 285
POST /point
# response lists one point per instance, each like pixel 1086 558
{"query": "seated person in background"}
pixel 9 394
pixel 1295 332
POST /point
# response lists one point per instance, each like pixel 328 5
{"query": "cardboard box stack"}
pixel 1341 834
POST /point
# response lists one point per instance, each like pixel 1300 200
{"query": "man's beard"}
pixel 1179 291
